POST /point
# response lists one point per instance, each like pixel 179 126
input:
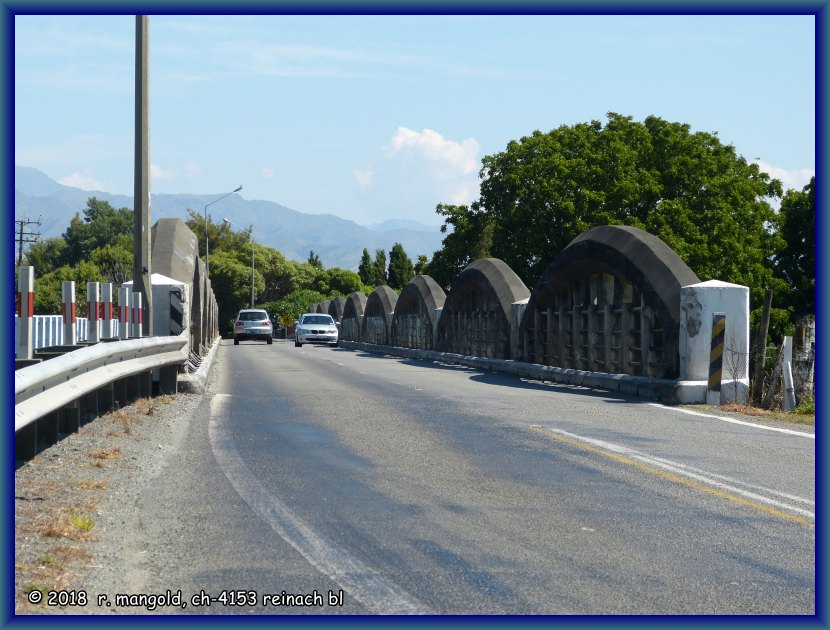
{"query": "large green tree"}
pixel 46 255
pixel 295 303
pixel 48 291
pixel 380 267
pixel 469 236
pixel 401 270
pixel 366 270
pixel 796 261
pixel 335 281
pixel 231 283
pixel 101 225
pixel 222 237
pixel 706 202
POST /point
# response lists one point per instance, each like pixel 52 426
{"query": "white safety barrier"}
pixel 47 330
pixel 43 388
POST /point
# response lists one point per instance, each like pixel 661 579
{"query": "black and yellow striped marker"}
pixel 716 355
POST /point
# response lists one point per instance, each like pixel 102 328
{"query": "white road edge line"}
pixel 363 583
pixel 680 469
pixel 812 436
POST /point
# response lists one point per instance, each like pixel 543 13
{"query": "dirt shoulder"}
pixel 75 502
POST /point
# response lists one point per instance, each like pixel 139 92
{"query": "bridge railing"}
pixel 52 396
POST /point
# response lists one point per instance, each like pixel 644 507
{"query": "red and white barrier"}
pixel 93 312
pixel 107 321
pixel 124 312
pixel 69 313
pixel 25 311
pixel 137 314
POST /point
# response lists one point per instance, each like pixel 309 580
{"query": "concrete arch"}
pixel 477 318
pixel 352 321
pixel 377 316
pixel 322 307
pixel 415 321
pixel 609 303
pixel 336 307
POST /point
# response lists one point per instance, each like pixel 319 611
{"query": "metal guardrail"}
pixel 47 386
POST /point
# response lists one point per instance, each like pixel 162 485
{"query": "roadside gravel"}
pixel 76 504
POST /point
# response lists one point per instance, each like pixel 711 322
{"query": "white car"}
pixel 252 323
pixel 316 328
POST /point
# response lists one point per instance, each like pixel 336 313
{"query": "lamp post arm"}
pixel 207 238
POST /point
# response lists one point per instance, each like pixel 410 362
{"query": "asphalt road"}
pixel 409 487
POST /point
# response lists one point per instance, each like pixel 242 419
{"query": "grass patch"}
pixel 68 524
pixel 82 522
pixel 806 408
pixel 796 416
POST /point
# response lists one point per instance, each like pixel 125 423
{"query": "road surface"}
pixel 394 486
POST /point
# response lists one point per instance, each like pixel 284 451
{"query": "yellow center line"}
pixel 672 477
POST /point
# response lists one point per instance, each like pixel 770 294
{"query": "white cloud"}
pixel 364 177
pixel 433 168
pixel 431 145
pixel 84 181
pixel 790 178
pixel 267 173
pixel 192 169
pixel 158 173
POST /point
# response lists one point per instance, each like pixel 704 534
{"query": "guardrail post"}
pixel 168 379
pixel 124 312
pixel 70 419
pixel 136 304
pixel 119 392
pixel 93 306
pixel 25 442
pixel 106 398
pixel 69 313
pixel 25 311
pixel 49 427
pixel 108 324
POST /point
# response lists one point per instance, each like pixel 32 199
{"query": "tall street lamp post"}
pixel 207 241
pixel 251 233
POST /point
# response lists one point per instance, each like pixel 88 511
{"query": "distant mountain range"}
pixel 338 242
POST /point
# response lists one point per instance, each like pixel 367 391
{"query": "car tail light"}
pixel 266 323
pixel 240 323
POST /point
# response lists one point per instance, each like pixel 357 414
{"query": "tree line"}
pixel 698 195
pixel 97 246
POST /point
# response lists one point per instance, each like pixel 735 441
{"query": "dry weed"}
pixel 68 524
pixel 88 484
pixel 103 454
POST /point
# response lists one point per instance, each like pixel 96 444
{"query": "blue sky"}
pixel 380 117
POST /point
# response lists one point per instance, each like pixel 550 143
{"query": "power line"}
pixel 25 237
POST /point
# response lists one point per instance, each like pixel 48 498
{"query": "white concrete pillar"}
pixel 107 322
pixel 698 303
pixel 69 313
pixel 124 311
pixel 136 304
pixel 93 312
pixel 25 311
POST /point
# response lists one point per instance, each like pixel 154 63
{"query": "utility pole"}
pixel 141 198
pixel 25 237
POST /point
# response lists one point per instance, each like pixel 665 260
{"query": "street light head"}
pixel 226 220
pixel 238 189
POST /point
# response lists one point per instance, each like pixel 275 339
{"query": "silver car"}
pixel 316 328
pixel 252 324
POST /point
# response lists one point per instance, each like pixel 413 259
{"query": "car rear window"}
pixel 252 316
